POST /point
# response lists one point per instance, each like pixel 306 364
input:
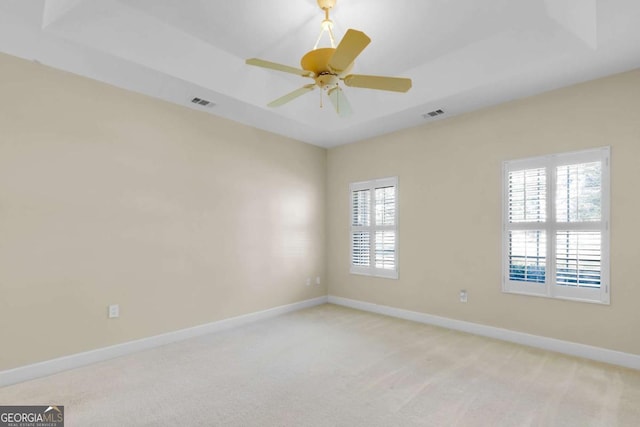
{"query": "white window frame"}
pixel 551 226
pixel 371 185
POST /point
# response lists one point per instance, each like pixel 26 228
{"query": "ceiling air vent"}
pixel 202 102
pixel 431 114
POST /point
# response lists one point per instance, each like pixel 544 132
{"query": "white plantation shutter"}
pixel 578 192
pixel 360 222
pixel 386 205
pixel 374 227
pixel 360 249
pixel 526 214
pixel 582 226
pixel 386 249
pixel 527 195
pixel 578 258
pixel 556 226
pixel 527 255
pixel 361 207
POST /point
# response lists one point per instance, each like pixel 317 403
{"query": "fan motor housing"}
pixel 317 61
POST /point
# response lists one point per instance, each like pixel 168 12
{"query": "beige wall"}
pixel 450 217
pixel 184 218
pixel 107 196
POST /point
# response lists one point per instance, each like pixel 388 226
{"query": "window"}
pixel 556 226
pixel 374 226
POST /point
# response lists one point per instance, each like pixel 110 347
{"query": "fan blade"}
pixel 278 67
pixel 340 102
pixel 350 46
pixel 396 84
pixel 291 96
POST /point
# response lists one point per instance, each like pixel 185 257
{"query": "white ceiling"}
pixel 461 55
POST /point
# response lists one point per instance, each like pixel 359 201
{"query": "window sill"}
pixel 383 274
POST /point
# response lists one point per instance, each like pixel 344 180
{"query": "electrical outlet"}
pixel 317 280
pixel 308 282
pixel 114 311
pixel 463 296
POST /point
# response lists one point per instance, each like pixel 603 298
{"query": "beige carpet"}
pixel 333 366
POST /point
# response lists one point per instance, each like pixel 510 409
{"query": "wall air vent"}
pixel 431 114
pixel 202 102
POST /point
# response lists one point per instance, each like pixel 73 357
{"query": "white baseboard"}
pixel 599 354
pixel 49 367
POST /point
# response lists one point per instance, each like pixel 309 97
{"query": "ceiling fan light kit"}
pixel 327 66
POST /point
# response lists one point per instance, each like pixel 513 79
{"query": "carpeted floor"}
pixel 333 366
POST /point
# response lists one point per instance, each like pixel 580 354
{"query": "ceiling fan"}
pixel 328 66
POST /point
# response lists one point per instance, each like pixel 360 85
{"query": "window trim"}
pixel 549 289
pixel 371 185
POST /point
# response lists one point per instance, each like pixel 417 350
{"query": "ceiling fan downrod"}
pixel 327 23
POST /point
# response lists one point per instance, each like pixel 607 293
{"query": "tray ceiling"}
pixel 461 55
